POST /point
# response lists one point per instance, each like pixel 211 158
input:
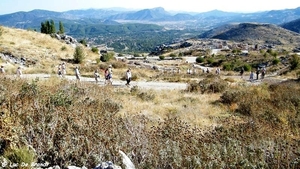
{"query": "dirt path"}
pixel 159 85
pixel 118 83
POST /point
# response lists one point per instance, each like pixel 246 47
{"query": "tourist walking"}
pixel 106 75
pixel 218 70
pixel 109 74
pixel 96 75
pixel 2 70
pixel 63 69
pixel 59 72
pixel 77 73
pixel 19 72
pixel 242 72
pixel 128 76
pixel 263 73
pixel 257 73
pixel 251 76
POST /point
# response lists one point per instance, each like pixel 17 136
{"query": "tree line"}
pixel 48 27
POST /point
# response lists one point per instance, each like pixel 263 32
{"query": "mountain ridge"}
pixel 159 14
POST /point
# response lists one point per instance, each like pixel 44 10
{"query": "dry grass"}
pixel 45 50
pixel 193 108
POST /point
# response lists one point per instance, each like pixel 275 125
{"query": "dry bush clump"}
pixel 277 104
pixel 211 84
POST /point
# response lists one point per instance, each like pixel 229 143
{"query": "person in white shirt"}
pixel 63 69
pixel 110 74
pixel 128 76
pixel 2 70
pixel 19 72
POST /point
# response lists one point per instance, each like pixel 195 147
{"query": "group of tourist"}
pixel 107 75
pixel 18 71
pixel 261 71
pixel 62 70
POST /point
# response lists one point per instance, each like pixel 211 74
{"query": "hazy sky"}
pixel 11 6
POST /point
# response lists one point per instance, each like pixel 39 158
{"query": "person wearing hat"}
pixel 128 76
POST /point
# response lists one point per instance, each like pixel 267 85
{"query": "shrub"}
pixel 107 56
pixel 63 48
pixel 136 55
pixel 247 67
pixel 193 87
pixel 228 66
pixel 95 50
pixel 83 42
pixel 118 65
pixel 161 57
pixel 213 85
pixel 146 96
pixel 173 55
pixel 210 60
pixel 20 156
pixel 275 61
pixel 295 62
pixel 78 54
pixel 199 59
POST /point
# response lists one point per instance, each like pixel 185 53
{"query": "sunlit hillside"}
pixel 42 50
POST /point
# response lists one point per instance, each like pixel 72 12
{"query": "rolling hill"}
pixel 293 25
pixel 254 33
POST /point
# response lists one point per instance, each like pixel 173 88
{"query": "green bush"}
pixel 228 66
pixel 83 42
pixel 275 61
pixel 173 55
pixel 295 62
pixel 161 57
pixel 20 156
pixel 95 50
pixel 210 60
pixel 78 55
pixel 200 59
pixel 247 67
pixel 107 56
pixel 63 48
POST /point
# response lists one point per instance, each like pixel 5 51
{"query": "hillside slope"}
pixel 254 33
pixel 42 50
pixel 293 25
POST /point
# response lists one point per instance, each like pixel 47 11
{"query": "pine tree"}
pixel 61 28
pixel 48 27
pixel 52 27
pixel 43 28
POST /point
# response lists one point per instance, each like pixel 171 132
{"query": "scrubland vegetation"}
pixel 68 123
pixel 214 123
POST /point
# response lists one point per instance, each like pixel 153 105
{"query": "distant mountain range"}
pixel 142 30
pixel 204 20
